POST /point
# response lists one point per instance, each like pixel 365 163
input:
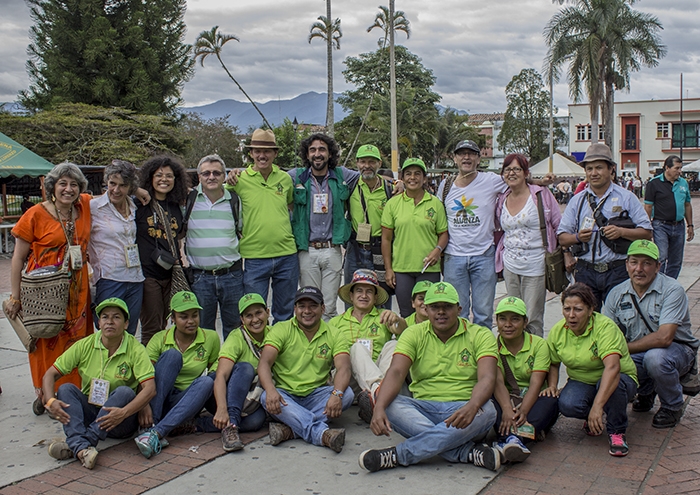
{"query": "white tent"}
pixel 561 167
pixel 692 166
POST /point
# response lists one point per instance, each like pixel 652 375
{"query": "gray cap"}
pixel 467 145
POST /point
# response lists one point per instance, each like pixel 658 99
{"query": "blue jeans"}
pixel 284 272
pixel 129 292
pixel 658 371
pixel 478 272
pixel 223 291
pixel 304 415
pixel 670 239
pixel 237 389
pixel 600 283
pixel 366 261
pixel 542 415
pixel 422 422
pixel 82 430
pixel 576 399
pixel 172 406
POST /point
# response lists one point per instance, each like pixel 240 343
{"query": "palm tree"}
pixel 211 43
pixel 330 32
pixel 381 21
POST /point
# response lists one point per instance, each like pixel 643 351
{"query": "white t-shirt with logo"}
pixel 470 214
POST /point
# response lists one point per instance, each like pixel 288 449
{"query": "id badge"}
pixel 588 223
pixel 320 203
pixel 364 232
pixel 76 258
pixel 131 253
pixel 99 391
pixel 368 343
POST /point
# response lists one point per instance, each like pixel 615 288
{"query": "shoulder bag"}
pixel 555 278
pixel 178 281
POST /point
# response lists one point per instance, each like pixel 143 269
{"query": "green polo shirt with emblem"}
pixel 375 201
pixel 267 228
pixel 416 230
pixel 302 366
pixel 447 371
pixel 369 329
pixel 128 366
pixel 583 355
pixel 200 356
pixel 534 356
pixel 236 347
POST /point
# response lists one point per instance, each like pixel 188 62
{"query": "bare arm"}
pixel 387 237
pixel 689 221
pixel 503 398
pixel 552 389
pixel 608 384
pixel 663 337
pixel 482 391
pixel 434 255
pixel 391 386
pixel 273 399
pixel 48 386
pixel 116 415
pixel 223 373
pixel 649 208
pixel 334 406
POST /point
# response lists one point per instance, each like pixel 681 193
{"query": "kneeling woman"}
pixel 602 376
pixel 238 362
pixel 521 413
pixel 112 365
pixel 181 355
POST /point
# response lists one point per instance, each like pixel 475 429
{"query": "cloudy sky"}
pixel 473 47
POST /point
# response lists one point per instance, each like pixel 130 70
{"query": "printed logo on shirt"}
pixel 122 371
pixel 373 329
pixel 594 351
pixel 200 353
pixel 381 207
pixel 280 189
pixel 430 213
pixel 464 358
pixel 323 351
pixel 530 364
pixel 465 216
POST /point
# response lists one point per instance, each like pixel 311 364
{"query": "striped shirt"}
pixel 211 233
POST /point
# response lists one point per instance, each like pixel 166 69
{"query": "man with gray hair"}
pixel 211 246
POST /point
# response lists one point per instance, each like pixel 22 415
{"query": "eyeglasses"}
pixel 164 176
pixel 207 173
pixel 514 170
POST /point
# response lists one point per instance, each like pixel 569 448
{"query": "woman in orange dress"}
pixel 40 237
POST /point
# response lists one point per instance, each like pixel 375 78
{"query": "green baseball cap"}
pixel 112 302
pixel 417 162
pixel 642 246
pixel 249 300
pixel 512 304
pixel 370 151
pixel 421 286
pixel 184 300
pixel 441 292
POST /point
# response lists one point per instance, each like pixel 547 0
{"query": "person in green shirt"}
pixel 236 375
pixel 420 313
pixel 183 355
pixel 117 383
pixel 453 368
pixel 602 376
pixel 300 353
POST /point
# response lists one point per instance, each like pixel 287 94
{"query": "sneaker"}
pixel 149 444
pixel 485 456
pixel 618 445
pixel 60 450
pixel 334 439
pixel 665 418
pixel 378 459
pixel 230 439
pixel 643 403
pixel 364 401
pixel 588 431
pixel 88 457
pixel 512 450
pixel 279 432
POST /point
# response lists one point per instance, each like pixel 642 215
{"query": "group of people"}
pixel 433 370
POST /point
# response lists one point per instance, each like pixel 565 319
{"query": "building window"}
pixel 630 141
pixel 662 130
pixel 585 133
pixel 580 132
pixel 601 133
pixel 689 135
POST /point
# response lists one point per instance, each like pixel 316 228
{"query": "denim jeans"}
pixel 172 406
pixel 658 371
pixel 542 415
pixel 304 415
pixel 284 272
pixel 478 272
pixel 237 389
pixel 351 264
pixel 223 291
pixel 670 239
pixel 129 292
pixel 422 422
pixel 323 269
pixel 576 399
pixel 600 283
pixel 82 430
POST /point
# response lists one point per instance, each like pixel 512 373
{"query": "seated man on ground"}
pixel 453 367
pixel 419 314
pixel 300 353
pixel 113 366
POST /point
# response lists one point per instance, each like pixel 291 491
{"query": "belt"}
pixel 601 267
pixel 322 245
pixel 666 222
pixel 366 247
pixel 221 271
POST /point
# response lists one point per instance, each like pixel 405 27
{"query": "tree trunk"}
pixel 610 115
pixel 329 60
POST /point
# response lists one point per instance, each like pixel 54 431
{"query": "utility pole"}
pixel 392 89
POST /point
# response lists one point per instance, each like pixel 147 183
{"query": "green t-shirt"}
pixel 236 348
pixel 128 366
pixel 369 329
pixel 416 230
pixel 534 356
pixel 375 202
pixel 445 372
pixel 267 229
pixel 583 356
pixel 302 366
pixel 201 355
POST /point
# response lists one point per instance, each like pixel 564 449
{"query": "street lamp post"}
pixel 295 124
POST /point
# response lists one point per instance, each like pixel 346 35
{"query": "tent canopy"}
pixel 562 167
pixel 692 166
pixel 17 160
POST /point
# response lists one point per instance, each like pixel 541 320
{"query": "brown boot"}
pixel 279 432
pixel 230 439
pixel 334 439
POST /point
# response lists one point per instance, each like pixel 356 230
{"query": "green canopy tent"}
pixel 17 160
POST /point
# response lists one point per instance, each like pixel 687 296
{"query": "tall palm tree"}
pixel 330 32
pixel 211 43
pixel 381 21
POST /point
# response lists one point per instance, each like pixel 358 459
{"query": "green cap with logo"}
pixel 183 301
pixel 114 302
pixel 512 304
pixel 642 246
pixel 414 162
pixel 249 300
pixel 368 151
pixel 441 292
pixel 421 286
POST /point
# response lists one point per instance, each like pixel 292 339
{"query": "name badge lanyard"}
pixel 324 207
pixel 368 343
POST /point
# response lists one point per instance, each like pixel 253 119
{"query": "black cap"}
pixel 309 293
pixel 467 145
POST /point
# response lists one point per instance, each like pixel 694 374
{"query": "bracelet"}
pixel 438 246
pixel 579 240
pixel 337 393
pixel 689 225
pixel 49 402
pixel 13 300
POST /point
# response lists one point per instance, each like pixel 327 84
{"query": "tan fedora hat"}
pixel 263 139
pixel 598 151
pixel 363 276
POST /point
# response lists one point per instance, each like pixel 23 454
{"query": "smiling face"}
pixel 308 313
pixel 113 323
pixel 211 176
pixel 510 325
pixel 66 190
pixel 255 318
pixel 186 322
pixel 263 158
pixel 444 317
pixel 576 313
pixel 642 271
pixel 599 174
pixel 318 156
pixel 163 182
pixel 514 175
pixel 467 160
pixel 420 307
pixel 363 296
pixel 413 178
pixel 368 167
pixel 117 191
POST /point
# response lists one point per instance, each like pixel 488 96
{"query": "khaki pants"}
pixel 368 373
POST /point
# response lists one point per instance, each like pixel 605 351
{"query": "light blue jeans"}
pixel 422 422
pixel 479 272
pixel 284 273
pixel 223 291
pixel 658 370
pixel 670 239
pixel 304 415
pixel 129 292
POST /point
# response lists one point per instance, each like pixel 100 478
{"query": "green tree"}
pixel 381 21
pixel 207 136
pixel 284 134
pixel 451 129
pixel 128 53
pixel 330 32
